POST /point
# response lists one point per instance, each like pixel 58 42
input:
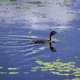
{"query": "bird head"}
pixel 53 32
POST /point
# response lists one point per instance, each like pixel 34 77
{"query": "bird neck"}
pixel 50 37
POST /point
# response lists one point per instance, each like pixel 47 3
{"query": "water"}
pixel 18 55
pixel 16 51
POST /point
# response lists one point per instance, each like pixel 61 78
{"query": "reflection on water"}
pixel 20 21
pixel 19 45
pixel 18 54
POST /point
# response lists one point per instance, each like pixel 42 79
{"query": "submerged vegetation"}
pixel 59 68
pixel 10 70
pixel 76 79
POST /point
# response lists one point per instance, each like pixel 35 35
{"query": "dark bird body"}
pixel 49 41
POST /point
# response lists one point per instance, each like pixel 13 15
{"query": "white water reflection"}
pixel 20 48
pixel 54 12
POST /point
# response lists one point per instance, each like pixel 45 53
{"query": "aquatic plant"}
pixel 58 68
pixel 13 73
pixel 10 70
pixel 3 73
pixel 76 79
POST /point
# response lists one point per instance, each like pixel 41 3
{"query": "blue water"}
pixel 17 50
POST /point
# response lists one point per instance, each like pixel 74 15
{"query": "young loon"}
pixel 49 41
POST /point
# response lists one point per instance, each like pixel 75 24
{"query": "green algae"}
pixel 13 73
pixel 73 79
pixel 68 2
pixel 58 68
pixel 3 72
pixel 7 1
pixel 76 79
pixel 12 68
pixel 77 74
pixel 34 69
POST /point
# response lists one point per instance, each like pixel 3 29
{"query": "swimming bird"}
pixel 48 41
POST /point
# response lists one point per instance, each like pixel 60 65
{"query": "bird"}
pixel 48 41
pixel 44 41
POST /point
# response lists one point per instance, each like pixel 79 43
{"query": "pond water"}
pixel 20 59
pixel 18 54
